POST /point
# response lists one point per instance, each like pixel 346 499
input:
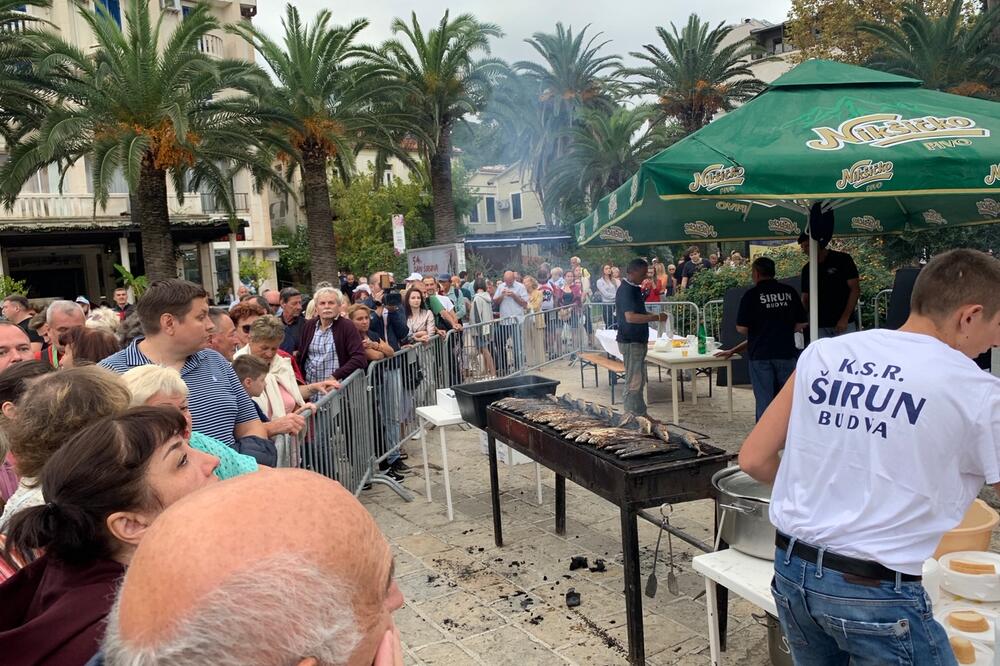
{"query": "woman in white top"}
pixel 419 319
pixel 607 287
pixel 480 320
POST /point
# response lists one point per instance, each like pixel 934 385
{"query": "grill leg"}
pixel 560 505
pixel 633 588
pixel 491 443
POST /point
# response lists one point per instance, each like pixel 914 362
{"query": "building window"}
pixel 491 210
pixel 387 177
pixel 114 9
pixel 515 205
pixel 474 213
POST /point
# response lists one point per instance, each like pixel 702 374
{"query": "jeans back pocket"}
pixel 872 643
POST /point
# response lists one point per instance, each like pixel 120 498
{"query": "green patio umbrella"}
pixel 884 154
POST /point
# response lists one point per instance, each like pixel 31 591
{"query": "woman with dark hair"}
pixel 419 319
pixel 103 490
pixel 87 346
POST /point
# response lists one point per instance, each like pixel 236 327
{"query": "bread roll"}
pixel 970 567
pixel 970 621
pixel 962 647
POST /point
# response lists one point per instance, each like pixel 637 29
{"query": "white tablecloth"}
pixel 606 338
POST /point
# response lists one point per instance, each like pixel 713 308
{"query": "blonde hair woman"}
pixel 158 386
pixel 283 396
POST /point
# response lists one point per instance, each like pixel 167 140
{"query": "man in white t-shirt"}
pixel 888 436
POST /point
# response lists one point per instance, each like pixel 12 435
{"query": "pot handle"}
pixel 741 507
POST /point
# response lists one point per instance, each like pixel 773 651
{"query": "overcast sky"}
pixel 627 23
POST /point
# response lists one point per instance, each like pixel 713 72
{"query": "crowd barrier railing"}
pixel 338 440
pixel 711 316
pixel 880 306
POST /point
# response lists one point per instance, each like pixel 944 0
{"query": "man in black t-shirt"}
pixel 693 267
pixel 839 290
pixel 770 313
pixel 633 334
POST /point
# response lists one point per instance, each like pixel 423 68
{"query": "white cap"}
pixel 415 277
pixel 362 287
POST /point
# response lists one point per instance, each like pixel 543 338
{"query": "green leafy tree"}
pixel 693 76
pixel 137 283
pixel 337 95
pixel 9 285
pixel 254 272
pixel 605 149
pixel 828 28
pixel 364 223
pixel 23 94
pixel 293 260
pixel 947 51
pixel 446 81
pixel 153 107
pixel 572 76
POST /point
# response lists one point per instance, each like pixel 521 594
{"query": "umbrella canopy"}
pixel 886 155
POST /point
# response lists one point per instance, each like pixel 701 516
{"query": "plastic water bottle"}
pixel 702 341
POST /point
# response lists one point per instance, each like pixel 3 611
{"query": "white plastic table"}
pixel 749 577
pixel 441 418
pixel 676 362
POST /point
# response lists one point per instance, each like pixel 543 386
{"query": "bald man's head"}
pixel 280 544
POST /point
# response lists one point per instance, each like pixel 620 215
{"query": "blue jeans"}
pixel 767 376
pixel 831 331
pixel 830 621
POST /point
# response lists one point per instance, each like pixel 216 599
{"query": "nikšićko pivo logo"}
pixel 993 176
pixel 783 226
pixel 865 173
pixel 717 176
pixel 885 130
pixel 616 234
pixel 988 207
pixel 700 229
pixel 866 223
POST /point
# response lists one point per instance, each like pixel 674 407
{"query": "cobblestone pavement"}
pixel 469 602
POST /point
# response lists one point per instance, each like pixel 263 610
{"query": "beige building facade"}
pixel 55 240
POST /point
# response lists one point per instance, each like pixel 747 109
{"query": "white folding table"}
pixel 746 576
pixel 677 362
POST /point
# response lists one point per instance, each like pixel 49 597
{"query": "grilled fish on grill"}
pixel 626 435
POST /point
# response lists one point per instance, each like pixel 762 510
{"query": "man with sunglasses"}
pixel 223 338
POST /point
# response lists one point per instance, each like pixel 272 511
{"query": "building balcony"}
pixel 63 206
pixel 212 45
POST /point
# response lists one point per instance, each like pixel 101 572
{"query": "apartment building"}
pixel 506 225
pixel 775 58
pixel 62 247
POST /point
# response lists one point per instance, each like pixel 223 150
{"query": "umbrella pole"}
pixel 813 289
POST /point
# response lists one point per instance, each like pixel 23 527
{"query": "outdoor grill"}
pixel 679 475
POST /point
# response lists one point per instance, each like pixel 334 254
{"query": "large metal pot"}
pixel 743 513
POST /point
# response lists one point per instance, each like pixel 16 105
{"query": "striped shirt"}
pixel 322 361
pixel 216 398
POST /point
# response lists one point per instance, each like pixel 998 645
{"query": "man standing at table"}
pixel 888 436
pixel 839 289
pixel 633 334
pixel 770 313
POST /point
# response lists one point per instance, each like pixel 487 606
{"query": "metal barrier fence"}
pixel 684 315
pixel 880 306
pixel 337 441
pixel 711 316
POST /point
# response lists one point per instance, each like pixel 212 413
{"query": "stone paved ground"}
pixel 468 602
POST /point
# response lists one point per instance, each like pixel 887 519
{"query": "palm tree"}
pixel 693 75
pixel 605 149
pixel 573 75
pixel 447 82
pixel 151 112
pixel 330 85
pixel 23 95
pixel 947 52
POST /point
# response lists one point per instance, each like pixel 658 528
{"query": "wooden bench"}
pixel 615 368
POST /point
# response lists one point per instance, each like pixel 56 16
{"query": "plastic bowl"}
pixel 976 587
pixel 973 533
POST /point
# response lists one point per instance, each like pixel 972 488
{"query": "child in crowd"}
pixel 252 372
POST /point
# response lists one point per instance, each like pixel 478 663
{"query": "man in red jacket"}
pixel 330 345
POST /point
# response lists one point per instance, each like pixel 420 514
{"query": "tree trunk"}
pixel 319 216
pixel 154 222
pixel 445 226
